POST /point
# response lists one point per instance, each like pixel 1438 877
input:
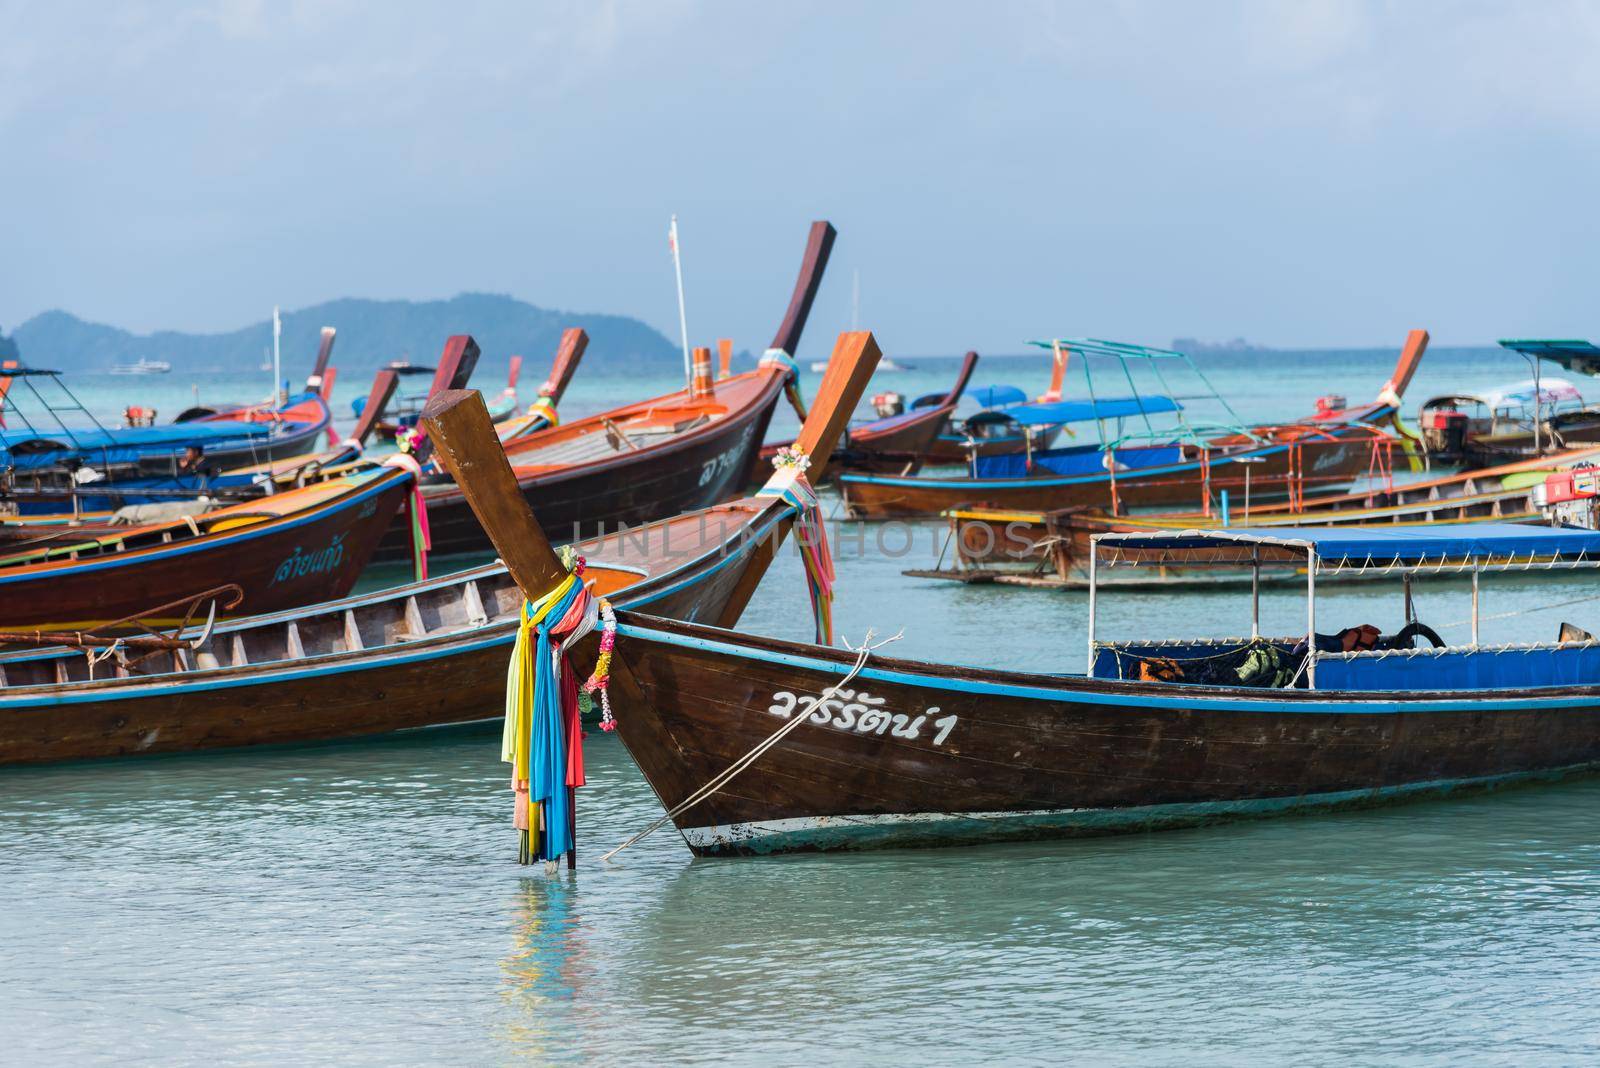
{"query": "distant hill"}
pixel 371 333
pixel 8 348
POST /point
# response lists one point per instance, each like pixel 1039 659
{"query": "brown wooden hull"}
pixel 294 560
pixel 952 755
pixel 452 678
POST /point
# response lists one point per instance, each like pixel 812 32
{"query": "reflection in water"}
pixel 542 970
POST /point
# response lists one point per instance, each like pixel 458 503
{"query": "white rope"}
pixel 738 766
pixel 1522 611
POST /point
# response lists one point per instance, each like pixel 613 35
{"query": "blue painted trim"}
pixel 1314 702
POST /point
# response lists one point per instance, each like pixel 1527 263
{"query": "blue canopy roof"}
pixel 996 396
pixel 1081 411
pixel 1500 544
pixel 1573 354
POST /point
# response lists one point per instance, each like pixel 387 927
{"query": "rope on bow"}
pixel 868 647
pixel 789 483
pixel 543 736
pixel 421 538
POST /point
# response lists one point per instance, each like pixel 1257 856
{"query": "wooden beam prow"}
pixel 324 354
pixel 1410 356
pixel 383 387
pixel 573 343
pixel 458 424
pixel 969 364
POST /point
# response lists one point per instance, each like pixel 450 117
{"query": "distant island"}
pixel 371 333
pixel 8 348
pixel 1193 346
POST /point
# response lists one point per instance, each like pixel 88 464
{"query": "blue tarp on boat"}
pixel 1463 669
pixel 996 396
pixel 1380 547
pixel 123 444
pixel 1076 460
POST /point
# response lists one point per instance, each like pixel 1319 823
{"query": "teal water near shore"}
pixel 359 902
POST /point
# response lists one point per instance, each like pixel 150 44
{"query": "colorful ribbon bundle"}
pixel 421 538
pixel 811 536
pixel 543 735
pixel 545 408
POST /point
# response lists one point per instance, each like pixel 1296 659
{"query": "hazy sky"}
pixel 1299 172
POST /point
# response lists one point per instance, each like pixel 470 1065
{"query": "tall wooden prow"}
pixel 320 368
pixel 458 424
pixel 573 343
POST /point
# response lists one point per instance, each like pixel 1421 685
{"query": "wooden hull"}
pixel 317 687
pixel 297 559
pixel 1317 465
pixel 50 492
pixel 694 471
pixel 922 755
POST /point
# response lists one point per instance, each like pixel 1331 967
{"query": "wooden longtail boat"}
pixel 144 464
pixel 191 493
pixel 907 753
pixel 290 549
pixel 41 460
pixel 1527 419
pixel 427 654
pixel 898 441
pixel 642 461
pixel 1325 451
pixel 1050 549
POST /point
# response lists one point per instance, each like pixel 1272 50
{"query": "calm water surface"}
pixel 359 903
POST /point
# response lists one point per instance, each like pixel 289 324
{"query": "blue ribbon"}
pixel 547 740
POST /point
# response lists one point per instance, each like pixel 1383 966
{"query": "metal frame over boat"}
pixel 1149 469
pixel 428 654
pixel 886 752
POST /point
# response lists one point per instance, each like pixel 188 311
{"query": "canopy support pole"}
pixel 1311 619
pixel 1475 573
pixel 1255 592
pixel 1094 553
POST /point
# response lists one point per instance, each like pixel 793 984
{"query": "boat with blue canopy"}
pixel 1541 415
pixel 848 748
pixel 1150 450
pixel 51 444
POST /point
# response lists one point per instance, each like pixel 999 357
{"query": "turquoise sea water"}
pixel 359 902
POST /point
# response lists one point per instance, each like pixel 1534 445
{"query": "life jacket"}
pixel 1265 666
pixel 1159 669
